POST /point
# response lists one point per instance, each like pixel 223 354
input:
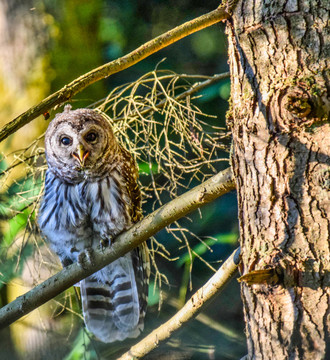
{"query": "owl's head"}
pixel 79 144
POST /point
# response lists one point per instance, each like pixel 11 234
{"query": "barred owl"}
pixel 91 195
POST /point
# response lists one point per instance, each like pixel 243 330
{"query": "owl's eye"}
pixel 66 141
pixel 91 137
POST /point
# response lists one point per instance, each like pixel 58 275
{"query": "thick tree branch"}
pixel 190 310
pixel 145 50
pixel 216 186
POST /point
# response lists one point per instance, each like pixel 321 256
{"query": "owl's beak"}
pixel 81 155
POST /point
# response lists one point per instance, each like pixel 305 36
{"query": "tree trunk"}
pixel 279 60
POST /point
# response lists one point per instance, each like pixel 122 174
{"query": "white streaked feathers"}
pixel 77 208
pixel 85 213
pixel 91 195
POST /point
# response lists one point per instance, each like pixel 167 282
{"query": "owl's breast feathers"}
pixel 112 201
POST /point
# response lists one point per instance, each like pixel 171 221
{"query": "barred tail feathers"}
pixel 110 301
pixel 141 265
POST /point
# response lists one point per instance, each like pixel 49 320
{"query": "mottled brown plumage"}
pixel 91 195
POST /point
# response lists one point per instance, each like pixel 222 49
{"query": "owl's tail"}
pixel 114 299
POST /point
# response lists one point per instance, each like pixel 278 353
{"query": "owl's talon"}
pixel 86 256
pixel 66 262
pixel 90 255
pixel 82 259
pixel 106 242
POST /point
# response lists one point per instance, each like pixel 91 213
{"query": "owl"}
pixel 91 195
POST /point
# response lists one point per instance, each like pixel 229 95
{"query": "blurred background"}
pixel 46 44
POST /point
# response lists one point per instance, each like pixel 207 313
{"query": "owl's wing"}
pixel 115 298
pixel 140 255
pixel 130 174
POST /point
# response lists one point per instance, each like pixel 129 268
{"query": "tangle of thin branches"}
pixel 156 118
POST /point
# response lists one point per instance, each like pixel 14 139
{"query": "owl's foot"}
pixel 86 256
pixel 106 242
pixel 66 262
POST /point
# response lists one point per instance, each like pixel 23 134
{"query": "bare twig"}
pixel 196 87
pixel 209 190
pixel 192 307
pixel 145 50
pixel 183 142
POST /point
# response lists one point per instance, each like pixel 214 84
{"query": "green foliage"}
pixel 224 91
pixel 12 267
pixel 17 208
pixel 211 44
pixel 15 225
pixel 77 45
pixel 205 246
pixel 79 347
pixel 154 294
pixel 146 169
pixel 198 251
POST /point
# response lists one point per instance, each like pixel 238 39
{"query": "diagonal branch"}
pixel 145 50
pixel 202 194
pixel 193 306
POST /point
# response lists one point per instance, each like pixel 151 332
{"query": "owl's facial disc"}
pixel 78 147
pixel 80 144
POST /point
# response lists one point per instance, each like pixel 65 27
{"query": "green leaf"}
pixel 144 168
pixel 3 165
pixel 202 248
pixel 229 238
pixel 199 249
pixel 153 296
pixel 224 91
pixel 80 345
pixel 15 225
pixel 23 191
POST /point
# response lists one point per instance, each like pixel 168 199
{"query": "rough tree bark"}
pixel 279 61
